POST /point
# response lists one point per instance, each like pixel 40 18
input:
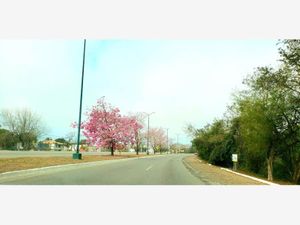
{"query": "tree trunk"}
pixel 112 149
pixel 270 167
pixel 23 147
pixel 296 175
pixel 22 142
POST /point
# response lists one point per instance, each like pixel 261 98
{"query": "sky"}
pixel 182 81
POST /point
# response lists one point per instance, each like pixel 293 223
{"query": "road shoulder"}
pixel 216 175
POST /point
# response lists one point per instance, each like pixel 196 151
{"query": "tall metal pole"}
pixel 148 136
pixel 78 155
pixel 177 144
pixel 148 114
pixel 167 139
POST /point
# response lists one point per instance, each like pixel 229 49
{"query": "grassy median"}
pixel 22 163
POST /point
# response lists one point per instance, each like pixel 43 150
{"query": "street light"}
pixel 78 155
pixel 177 147
pixel 148 114
pixel 167 139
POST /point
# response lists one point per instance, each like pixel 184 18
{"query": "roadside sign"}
pixel 234 157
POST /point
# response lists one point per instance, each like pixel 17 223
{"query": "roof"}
pixel 50 142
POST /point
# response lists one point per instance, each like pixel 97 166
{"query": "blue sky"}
pixel 181 81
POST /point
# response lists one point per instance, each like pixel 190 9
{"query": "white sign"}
pixel 234 157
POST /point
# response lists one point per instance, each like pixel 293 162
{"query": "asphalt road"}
pixel 157 170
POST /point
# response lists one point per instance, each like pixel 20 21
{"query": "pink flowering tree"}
pixel 106 127
pixel 158 139
pixel 140 135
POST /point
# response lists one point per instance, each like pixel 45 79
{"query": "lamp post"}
pixel 78 155
pixel 177 144
pixel 167 139
pixel 148 114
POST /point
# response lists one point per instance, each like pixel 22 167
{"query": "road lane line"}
pixel 149 168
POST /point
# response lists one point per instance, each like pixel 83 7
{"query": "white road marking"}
pixel 149 168
pixel 253 178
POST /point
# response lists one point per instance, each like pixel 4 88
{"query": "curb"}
pixel 250 177
pixel 243 175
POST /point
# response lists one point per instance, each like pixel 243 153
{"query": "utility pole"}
pixel 148 137
pixel 78 155
pixel 148 114
pixel 177 147
pixel 167 139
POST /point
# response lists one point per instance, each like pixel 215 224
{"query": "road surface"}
pixel 156 170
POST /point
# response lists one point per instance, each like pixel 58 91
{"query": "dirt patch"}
pixel 215 175
pixel 22 163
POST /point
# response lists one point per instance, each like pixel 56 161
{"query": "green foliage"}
pixel 25 125
pixel 215 144
pixel 8 140
pixel 61 140
pixel 264 123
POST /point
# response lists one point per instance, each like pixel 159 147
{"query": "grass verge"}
pixel 249 173
pixel 23 163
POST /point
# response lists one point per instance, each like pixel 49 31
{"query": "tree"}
pixel 70 137
pixel 158 139
pixel 266 104
pixel 283 87
pixel 289 81
pixel 63 141
pixel 7 139
pixel 106 127
pixel 264 123
pixel 190 130
pixel 214 143
pixel 139 135
pixel 257 131
pixel 24 124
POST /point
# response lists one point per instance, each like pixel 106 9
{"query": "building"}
pixel 50 144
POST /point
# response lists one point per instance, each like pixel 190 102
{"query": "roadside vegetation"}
pixel 262 125
pixel 105 128
pixel 21 129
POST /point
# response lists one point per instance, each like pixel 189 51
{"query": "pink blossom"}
pixel 106 127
